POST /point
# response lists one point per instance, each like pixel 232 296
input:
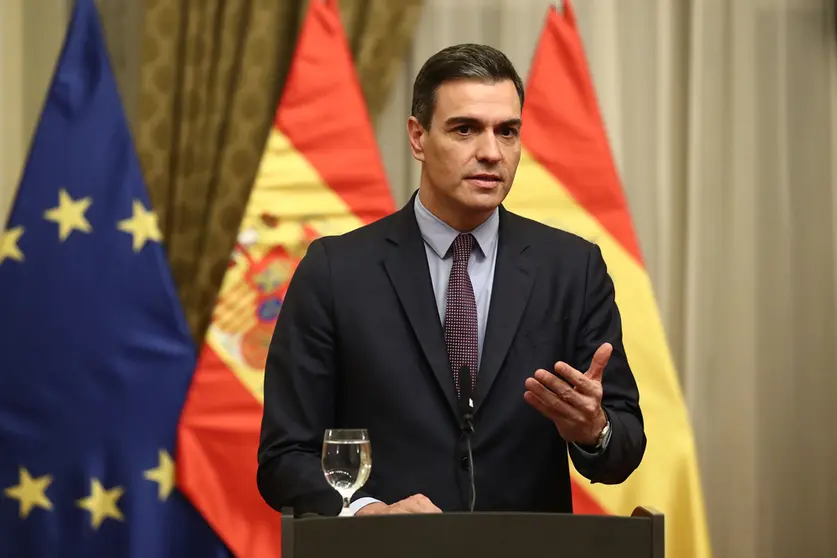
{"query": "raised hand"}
pixel 575 406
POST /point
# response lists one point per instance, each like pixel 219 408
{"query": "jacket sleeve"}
pixel 299 393
pixel 601 322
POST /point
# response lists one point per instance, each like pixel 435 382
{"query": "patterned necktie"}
pixel 461 312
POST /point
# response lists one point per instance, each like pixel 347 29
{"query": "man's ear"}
pixel 416 134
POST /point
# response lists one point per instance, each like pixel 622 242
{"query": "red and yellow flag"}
pixel 320 174
pixel 567 178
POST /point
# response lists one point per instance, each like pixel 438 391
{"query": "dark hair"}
pixel 465 61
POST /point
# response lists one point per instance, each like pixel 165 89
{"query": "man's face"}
pixel 472 149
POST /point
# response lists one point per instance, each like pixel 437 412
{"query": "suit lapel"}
pixel 513 279
pixel 406 265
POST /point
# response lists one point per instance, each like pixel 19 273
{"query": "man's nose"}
pixel 488 149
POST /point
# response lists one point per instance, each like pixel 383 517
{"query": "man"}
pixel 378 324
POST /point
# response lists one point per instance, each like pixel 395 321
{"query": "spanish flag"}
pixel 567 178
pixel 320 174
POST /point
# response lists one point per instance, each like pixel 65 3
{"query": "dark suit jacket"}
pixel 359 344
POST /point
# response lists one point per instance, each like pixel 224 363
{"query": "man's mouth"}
pixel 484 179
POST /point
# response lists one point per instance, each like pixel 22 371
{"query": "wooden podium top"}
pixel 475 535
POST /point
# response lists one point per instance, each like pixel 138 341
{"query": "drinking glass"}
pixel 347 462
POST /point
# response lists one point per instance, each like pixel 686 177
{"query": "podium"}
pixel 482 535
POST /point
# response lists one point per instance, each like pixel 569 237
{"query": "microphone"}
pixel 466 402
pixel 466 409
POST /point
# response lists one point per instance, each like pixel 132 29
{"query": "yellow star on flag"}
pixel 8 244
pixel 143 225
pixel 69 215
pixel 162 474
pixel 101 503
pixel 30 492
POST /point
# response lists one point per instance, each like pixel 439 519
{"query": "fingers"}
pixel 375 508
pixel 559 401
pixel 556 410
pixel 573 376
pixel 422 504
pixel 417 503
pixel 551 389
pixel 584 382
pixel 600 360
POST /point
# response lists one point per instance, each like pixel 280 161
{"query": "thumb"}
pixel 600 360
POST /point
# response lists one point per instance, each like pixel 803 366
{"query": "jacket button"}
pixel 464 464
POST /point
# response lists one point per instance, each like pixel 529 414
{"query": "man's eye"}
pixel 463 129
pixel 508 132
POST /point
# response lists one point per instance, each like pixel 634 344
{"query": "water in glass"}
pixel 347 462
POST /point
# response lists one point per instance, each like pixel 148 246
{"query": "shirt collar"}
pixel 439 235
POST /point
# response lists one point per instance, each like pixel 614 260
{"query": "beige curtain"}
pixel 210 78
pixel 31 34
pixel 723 119
pixel 11 102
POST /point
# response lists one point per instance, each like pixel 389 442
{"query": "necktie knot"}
pixel 462 246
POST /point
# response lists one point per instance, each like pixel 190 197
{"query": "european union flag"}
pixel 95 354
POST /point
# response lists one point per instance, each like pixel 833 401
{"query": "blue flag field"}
pixel 95 354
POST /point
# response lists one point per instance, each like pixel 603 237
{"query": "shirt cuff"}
pixel 600 449
pixel 360 503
